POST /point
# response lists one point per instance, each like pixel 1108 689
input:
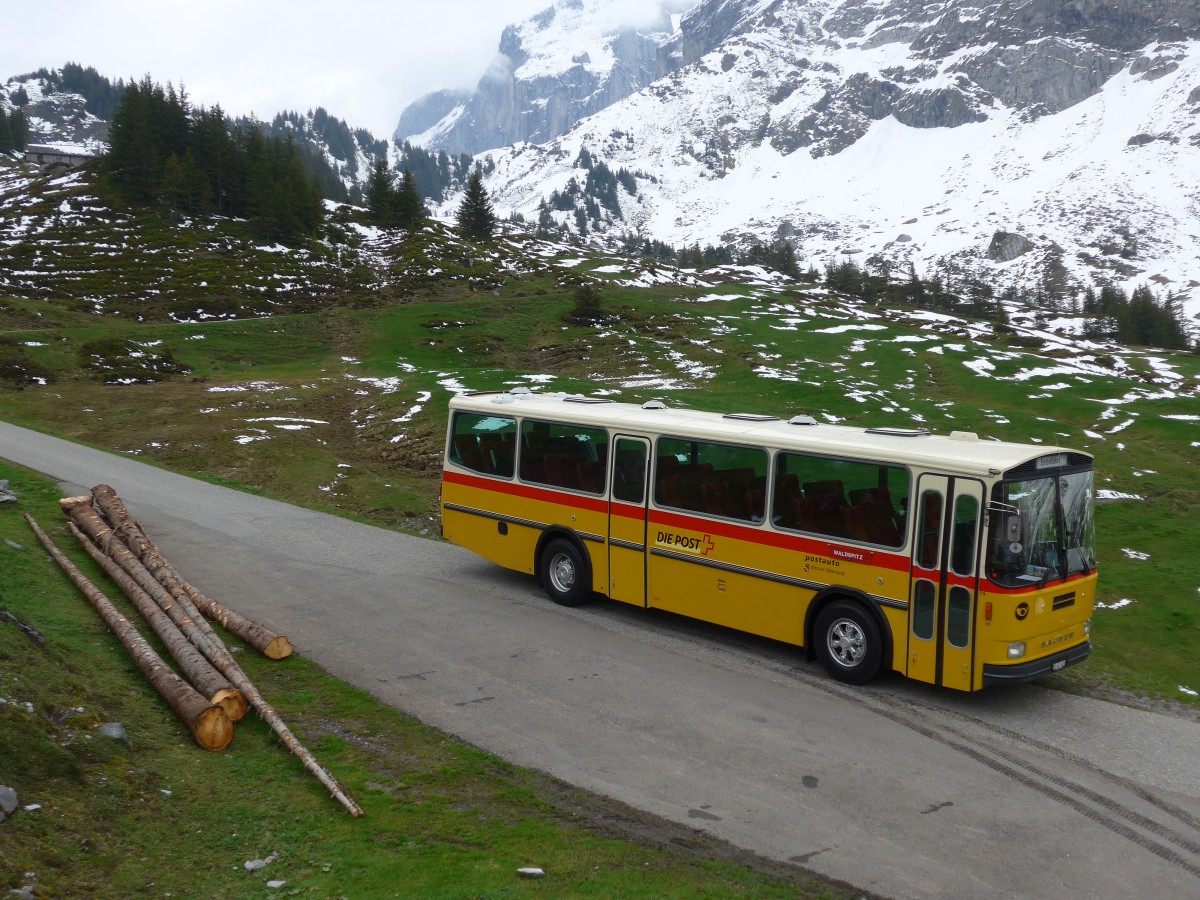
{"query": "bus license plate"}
pixel 1059 666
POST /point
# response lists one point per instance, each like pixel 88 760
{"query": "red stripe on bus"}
pixel 1056 583
pixel 524 491
pixel 816 546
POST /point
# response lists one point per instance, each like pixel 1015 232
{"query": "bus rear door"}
pixel 627 520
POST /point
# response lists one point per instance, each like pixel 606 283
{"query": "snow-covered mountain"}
pixel 1043 144
pixel 57 114
pixel 573 59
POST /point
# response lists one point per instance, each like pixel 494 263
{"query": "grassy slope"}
pixel 371 372
pixel 167 819
pixel 332 369
pixel 364 362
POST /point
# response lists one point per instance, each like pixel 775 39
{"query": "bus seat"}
pixel 830 493
pixel 881 520
pixel 469 453
pixel 857 522
pixel 756 501
pixel 688 494
pixel 498 455
pixel 787 491
pixel 631 466
pixel 590 476
pixel 715 497
pixel 560 470
pixel 740 479
pixel 860 496
pixel 808 513
pixel 788 486
pixel 666 491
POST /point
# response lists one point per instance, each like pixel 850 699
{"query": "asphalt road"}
pixel 897 788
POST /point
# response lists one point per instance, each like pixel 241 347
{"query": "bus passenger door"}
pixel 945 581
pixel 627 520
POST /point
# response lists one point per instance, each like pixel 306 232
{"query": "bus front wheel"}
pixel 564 573
pixel 848 642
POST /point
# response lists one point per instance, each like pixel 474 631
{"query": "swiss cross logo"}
pixel 708 545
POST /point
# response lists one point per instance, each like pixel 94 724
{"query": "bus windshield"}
pixel 1042 529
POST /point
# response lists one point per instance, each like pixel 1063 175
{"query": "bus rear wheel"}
pixel 564 573
pixel 848 642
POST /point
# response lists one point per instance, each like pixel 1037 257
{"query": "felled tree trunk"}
pixel 209 724
pixel 186 616
pixel 267 642
pixel 198 670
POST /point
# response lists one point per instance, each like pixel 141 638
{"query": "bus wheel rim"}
pixel 562 573
pixel 847 642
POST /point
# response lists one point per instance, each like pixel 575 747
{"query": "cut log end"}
pixel 279 648
pixel 233 702
pixel 212 729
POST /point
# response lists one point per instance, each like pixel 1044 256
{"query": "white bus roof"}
pixel 956 453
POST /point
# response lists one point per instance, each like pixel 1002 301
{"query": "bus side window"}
pixel 563 455
pixel 717 479
pixel 840 498
pixel 485 444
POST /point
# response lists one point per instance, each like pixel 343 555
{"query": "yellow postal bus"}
pixel 949 559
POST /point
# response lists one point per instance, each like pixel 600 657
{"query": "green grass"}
pixel 443 819
pixel 364 345
pixel 364 462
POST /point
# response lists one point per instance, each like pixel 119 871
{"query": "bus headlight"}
pixel 1017 650
pixel 1087 627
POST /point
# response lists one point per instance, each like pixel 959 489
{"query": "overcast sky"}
pixel 363 61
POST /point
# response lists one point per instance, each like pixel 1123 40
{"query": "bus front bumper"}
pixel 1038 668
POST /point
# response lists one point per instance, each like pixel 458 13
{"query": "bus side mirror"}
pixel 1013 529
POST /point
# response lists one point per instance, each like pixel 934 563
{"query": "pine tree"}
pixel 162 151
pixel 18 126
pixel 380 200
pixel 586 305
pixel 475 214
pixel 6 141
pixel 174 186
pixel 216 154
pixel 133 158
pixel 410 208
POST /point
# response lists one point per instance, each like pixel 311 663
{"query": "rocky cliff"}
pixel 569 62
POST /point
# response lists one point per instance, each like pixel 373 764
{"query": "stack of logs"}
pixel 216 691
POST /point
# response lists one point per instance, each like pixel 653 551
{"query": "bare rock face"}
pixel 512 104
pixel 1046 76
pixel 838 119
pixel 1038 56
pixel 942 108
pixel 1007 246
pixel 8 801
